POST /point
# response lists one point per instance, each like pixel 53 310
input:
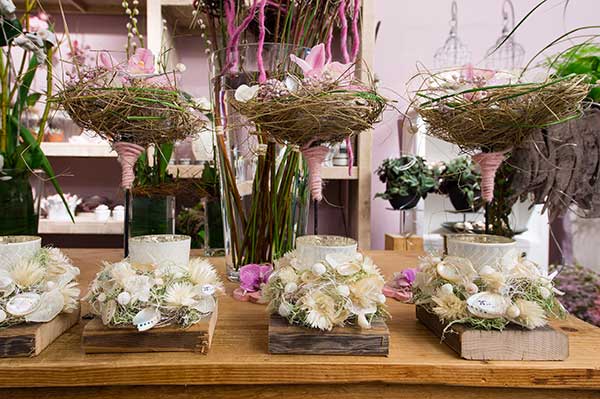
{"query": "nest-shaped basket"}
pixel 142 113
pixel 497 118
pixel 314 116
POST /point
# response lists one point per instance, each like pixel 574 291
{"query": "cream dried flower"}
pixel 531 314
pixel 320 310
pixel 70 293
pixel 57 264
pixel 27 273
pixel 121 271
pixel 202 273
pixel 494 280
pixel 288 275
pixel 180 294
pixel 449 306
pixel 366 292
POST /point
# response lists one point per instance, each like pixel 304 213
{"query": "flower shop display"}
pixel 407 179
pixel 460 180
pixel 314 304
pixel 483 249
pixel 149 302
pixel 55 209
pixel 490 313
pixel 26 47
pixel 39 296
pixel 488 113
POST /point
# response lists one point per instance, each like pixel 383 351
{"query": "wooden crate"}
pixel 513 343
pixel 31 339
pixel 289 339
pixel 97 338
pixel 402 243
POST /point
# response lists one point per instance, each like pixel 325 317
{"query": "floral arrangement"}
pixel 581 287
pixel 490 298
pixel 339 290
pixel 38 289
pixel 150 295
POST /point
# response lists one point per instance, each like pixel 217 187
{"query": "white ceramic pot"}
pixel 15 248
pixel 312 249
pixel 483 250
pixel 102 213
pixel 163 249
pixel 119 212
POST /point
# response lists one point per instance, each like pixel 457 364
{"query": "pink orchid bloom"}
pixel 107 61
pixel 252 276
pixel 315 65
pixel 142 62
pixel 38 22
pixel 405 278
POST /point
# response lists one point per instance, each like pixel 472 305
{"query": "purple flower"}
pixel 405 278
pixel 252 276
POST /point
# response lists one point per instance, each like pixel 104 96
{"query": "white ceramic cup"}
pixel 102 213
pixel 119 212
pixel 16 248
pixel 313 249
pixel 160 249
pixel 483 250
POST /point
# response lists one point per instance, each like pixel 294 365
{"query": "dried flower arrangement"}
pixel 493 111
pixel 340 290
pixel 490 298
pixel 38 289
pixel 150 295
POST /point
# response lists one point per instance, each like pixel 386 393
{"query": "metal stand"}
pixel 487 218
pixel 316 217
pixel 126 221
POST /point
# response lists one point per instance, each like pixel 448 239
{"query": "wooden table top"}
pixel 239 353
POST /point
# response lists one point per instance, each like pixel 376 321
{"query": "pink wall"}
pixel 411 32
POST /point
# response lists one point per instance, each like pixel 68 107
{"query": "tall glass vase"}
pixel 20 195
pixel 264 189
pixel 152 215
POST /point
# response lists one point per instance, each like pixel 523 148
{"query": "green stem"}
pixel 5 102
pixel 49 83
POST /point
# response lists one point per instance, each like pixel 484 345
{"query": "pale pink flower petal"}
pixel 142 62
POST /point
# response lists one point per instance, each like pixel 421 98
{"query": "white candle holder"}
pixel 16 248
pixel 160 249
pixel 312 249
pixel 483 249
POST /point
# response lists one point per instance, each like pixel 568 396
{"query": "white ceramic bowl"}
pixel 161 249
pixel 483 250
pixel 102 215
pixel 312 249
pixel 15 248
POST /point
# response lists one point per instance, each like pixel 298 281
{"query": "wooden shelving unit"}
pixel 101 150
pixel 85 223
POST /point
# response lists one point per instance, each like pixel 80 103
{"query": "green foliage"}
pixel 461 172
pixel 581 59
pixel 9 30
pixel 407 175
pixel 155 173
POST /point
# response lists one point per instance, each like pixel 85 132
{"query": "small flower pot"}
pixel 483 249
pixel 404 202
pixel 460 201
pixel 160 249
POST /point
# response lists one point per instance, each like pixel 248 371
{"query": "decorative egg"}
pixel 513 311
pixel 146 318
pixel 51 304
pixel 23 304
pixel 343 290
pixel 2 315
pixel 487 305
pixel 290 287
pixel 318 269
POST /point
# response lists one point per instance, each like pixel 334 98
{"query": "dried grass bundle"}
pixel 497 118
pixel 141 112
pixel 304 117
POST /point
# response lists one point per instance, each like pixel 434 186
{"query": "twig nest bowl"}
pixel 15 248
pixel 483 249
pixel 160 249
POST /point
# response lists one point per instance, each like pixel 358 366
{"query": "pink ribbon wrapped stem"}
pixel 489 163
pixel 314 158
pixel 128 156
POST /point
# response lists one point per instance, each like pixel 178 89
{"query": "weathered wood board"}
pixel 31 339
pixel 97 338
pixel 288 339
pixel 513 343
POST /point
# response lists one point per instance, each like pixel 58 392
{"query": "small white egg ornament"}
pixel 487 305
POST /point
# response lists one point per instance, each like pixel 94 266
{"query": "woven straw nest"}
pixel 140 113
pixel 321 115
pixel 497 118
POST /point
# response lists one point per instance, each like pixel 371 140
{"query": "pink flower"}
pixel 252 276
pixel 38 22
pixel 107 61
pixel 142 62
pixel 315 65
pixel 405 278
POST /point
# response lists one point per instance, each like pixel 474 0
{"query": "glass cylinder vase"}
pixel 152 215
pixel 20 195
pixel 264 190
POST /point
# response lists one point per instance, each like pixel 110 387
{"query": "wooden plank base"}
pixel 31 339
pixel 289 339
pixel 513 343
pixel 97 338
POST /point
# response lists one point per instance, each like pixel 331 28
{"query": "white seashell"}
pixel 456 269
pixel 348 269
pixel 124 298
pixel 545 292
pixel 343 290
pixel 207 290
pixel 513 311
pixel 363 322
pixel 23 304
pixel 447 289
pixel 108 311
pixel 146 318
pixel 7 285
pixel 290 288
pixel 2 315
pixel 245 93
pixel 51 304
pixel 318 269
pixel 487 271
pixel 471 288
pixel 205 305
pixel 487 305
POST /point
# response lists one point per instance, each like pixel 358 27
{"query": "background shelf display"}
pixel 85 223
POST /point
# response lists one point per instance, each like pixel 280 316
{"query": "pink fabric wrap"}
pixel 128 156
pixel 489 163
pixel 314 158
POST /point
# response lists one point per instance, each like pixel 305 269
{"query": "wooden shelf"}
pixel 85 223
pixel 100 150
pixel 339 173
pixel 99 7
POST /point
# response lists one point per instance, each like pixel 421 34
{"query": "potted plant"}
pixel 20 151
pixel 407 179
pixel 460 180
